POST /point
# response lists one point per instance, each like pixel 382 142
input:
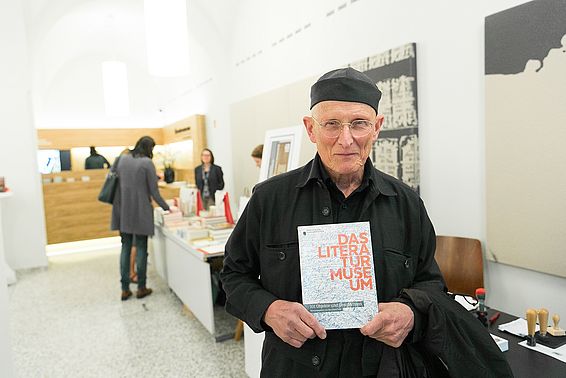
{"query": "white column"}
pixel 10 274
pixel 6 357
pixel 24 233
pixel 24 220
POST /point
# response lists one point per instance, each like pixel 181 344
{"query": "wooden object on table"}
pixel 543 321
pixel 531 326
pixel 555 330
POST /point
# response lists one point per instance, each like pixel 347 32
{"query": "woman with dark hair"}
pixel 257 154
pixel 208 177
pixel 132 212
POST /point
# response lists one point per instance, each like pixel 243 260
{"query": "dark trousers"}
pixel 141 259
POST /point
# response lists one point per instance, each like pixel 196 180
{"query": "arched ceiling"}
pixel 69 39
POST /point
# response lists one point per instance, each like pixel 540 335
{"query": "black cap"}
pixel 345 84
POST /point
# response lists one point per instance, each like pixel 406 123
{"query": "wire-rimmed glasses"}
pixel 333 127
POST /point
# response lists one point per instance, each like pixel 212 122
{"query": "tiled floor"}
pixel 68 321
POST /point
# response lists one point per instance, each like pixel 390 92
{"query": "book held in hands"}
pixel 337 274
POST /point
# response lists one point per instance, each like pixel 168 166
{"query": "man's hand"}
pixel 292 322
pixel 391 324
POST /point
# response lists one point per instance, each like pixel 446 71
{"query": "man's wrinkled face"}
pixel 344 154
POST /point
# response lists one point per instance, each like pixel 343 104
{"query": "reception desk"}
pixel 72 209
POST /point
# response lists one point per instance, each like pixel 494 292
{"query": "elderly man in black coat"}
pixel 262 277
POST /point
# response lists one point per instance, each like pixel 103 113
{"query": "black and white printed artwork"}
pixel 396 152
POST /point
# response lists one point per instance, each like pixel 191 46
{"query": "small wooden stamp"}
pixel 555 330
pixel 531 327
pixel 543 321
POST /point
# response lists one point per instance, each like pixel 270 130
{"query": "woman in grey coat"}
pixel 132 212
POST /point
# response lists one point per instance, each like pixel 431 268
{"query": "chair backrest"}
pixel 461 263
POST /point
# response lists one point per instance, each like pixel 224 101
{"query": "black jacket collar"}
pixel 314 171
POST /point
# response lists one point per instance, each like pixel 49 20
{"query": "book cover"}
pixel 337 274
pixel 213 249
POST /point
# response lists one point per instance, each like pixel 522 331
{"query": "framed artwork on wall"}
pixel 396 152
pixel 281 149
pixel 525 77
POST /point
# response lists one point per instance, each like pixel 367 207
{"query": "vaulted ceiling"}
pixel 69 39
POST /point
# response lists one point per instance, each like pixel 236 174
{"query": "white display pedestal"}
pixel 253 344
pixel 10 274
pixel 158 254
pixel 188 275
pixel 187 272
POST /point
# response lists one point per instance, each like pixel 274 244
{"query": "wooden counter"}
pixel 72 209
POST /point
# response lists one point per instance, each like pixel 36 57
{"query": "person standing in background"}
pixel 132 212
pixel 257 153
pixel 133 273
pixel 208 177
pixel 95 160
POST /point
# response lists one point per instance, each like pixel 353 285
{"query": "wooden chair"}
pixel 461 263
pixel 239 330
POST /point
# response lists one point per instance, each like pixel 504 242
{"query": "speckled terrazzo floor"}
pixel 68 321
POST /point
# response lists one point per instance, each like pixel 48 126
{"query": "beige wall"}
pixel 279 108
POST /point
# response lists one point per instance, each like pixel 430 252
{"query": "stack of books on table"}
pixel 208 221
pixel 190 233
pixel 208 247
pixel 174 220
pixel 220 231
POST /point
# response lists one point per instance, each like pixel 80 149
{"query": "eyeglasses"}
pixel 333 127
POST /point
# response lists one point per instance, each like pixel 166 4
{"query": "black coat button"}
pixel 326 211
pixel 407 264
pixel 315 360
pixel 282 256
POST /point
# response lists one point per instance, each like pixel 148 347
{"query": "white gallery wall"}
pixel 23 223
pixel 276 44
